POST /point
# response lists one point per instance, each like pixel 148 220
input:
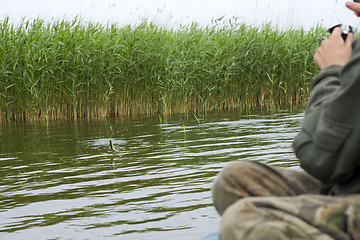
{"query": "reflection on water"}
pixel 61 180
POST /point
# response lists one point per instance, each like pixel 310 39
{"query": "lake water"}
pixel 61 180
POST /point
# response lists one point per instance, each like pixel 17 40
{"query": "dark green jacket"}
pixel 328 146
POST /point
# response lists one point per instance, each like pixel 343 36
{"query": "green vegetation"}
pixel 72 69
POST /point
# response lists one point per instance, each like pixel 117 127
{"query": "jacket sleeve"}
pixel 327 145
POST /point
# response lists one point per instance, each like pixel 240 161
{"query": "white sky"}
pixel 282 13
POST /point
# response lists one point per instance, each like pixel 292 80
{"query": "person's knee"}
pixel 257 218
pixel 239 220
pixel 225 189
pixel 244 220
pixel 230 173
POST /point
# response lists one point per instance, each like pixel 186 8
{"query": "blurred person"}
pixel 257 201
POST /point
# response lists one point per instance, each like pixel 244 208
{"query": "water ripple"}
pixel 63 182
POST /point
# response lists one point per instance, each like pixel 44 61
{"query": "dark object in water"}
pixel 112 146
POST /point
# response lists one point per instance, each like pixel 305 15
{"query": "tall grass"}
pixel 72 69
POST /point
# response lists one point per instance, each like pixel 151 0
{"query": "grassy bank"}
pixel 74 69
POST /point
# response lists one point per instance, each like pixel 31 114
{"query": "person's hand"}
pixel 354 6
pixel 334 50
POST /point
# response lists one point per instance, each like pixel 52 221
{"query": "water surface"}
pixel 61 180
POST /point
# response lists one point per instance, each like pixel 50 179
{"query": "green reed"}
pixel 71 69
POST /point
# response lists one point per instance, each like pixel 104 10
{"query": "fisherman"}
pixel 257 201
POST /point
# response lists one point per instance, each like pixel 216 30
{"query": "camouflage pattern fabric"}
pixel 257 202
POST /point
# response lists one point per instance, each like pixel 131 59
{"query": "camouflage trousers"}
pixel 257 202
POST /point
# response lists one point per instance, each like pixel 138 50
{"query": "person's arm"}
pixel 334 51
pixel 331 56
pixel 328 146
